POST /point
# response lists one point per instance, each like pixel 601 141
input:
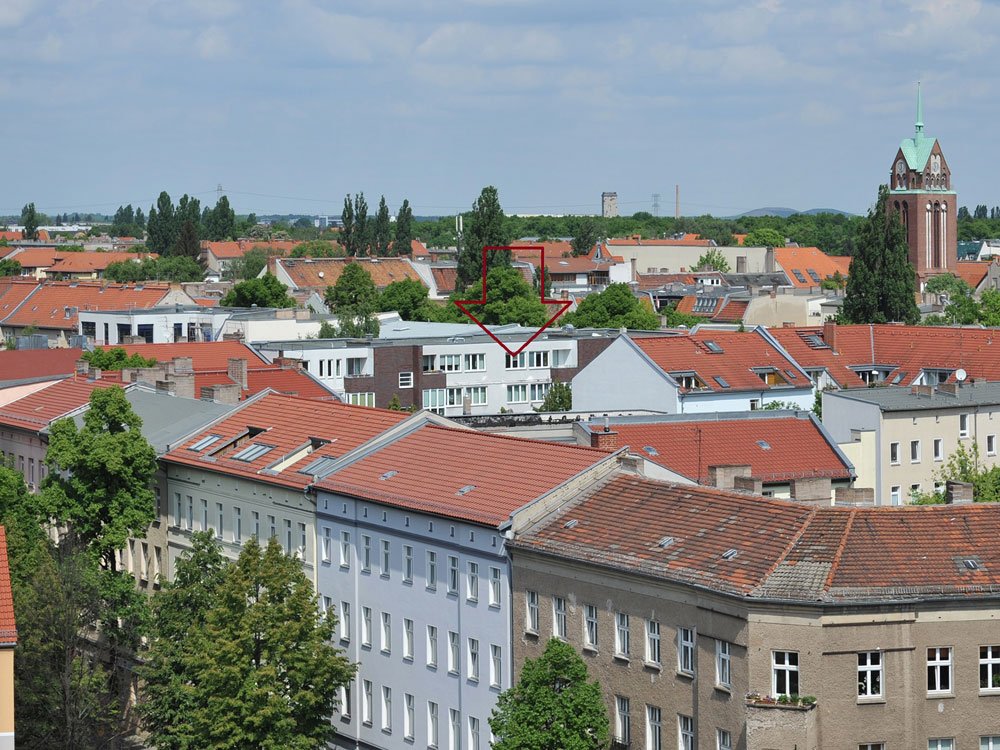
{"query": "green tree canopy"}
pixel 29 219
pixel 354 300
pixel 558 398
pixel 485 228
pixel 116 358
pixel 247 266
pixel 509 299
pixel 585 235
pixel 713 260
pixel 317 249
pixel 408 297
pixel 552 707
pixel 880 287
pixel 266 291
pixel 9 267
pixel 403 236
pixel 220 222
pixel 764 237
pixel 615 307
pixel 381 230
pixel 168 268
pixel 161 226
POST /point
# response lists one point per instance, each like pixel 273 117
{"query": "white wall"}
pixel 621 378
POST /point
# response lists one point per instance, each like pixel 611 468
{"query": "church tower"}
pixel 920 191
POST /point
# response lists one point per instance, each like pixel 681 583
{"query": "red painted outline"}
pixel 564 304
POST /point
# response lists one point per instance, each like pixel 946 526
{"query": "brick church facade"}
pixel 920 191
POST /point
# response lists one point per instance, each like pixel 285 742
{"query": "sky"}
pixel 291 104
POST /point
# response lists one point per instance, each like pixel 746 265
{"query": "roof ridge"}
pixel 515 438
pixel 835 563
pixel 780 559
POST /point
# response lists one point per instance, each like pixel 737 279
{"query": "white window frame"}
pixel 407 563
pixel 472 655
pixel 685 732
pixel 517 394
pixel 431 571
pixel 938 449
pixel 538 359
pixel 366 702
pixel 496 666
pixel 559 617
pixel 963 425
pixel 915 451
pixel 653 650
pixel 723 739
pixel 895 494
pixel 515 361
pixel 450 362
pixel 386 709
pixel 784 667
pixel 432 724
pixel 478 395
pixel 723 664
pixel 405 379
pixel 989 667
pixel 345 621
pixel 366 626
pixel 472 582
pixel 622 635
pixel 454 729
pixel 590 631
pixel 366 553
pixel 686 640
pixel 941 665
pixel 407 639
pixel 409 708
pixel 386 633
pixel 495 586
pixel 531 611
pixel 432 646
pixel 941 743
pixel 386 563
pixel 991 445
pixel 623 720
pixel 870 674
pixel 452 574
pixel 654 728
pixel 473 733
pixel 475 362
pixel 454 647
pixel 894 453
pixel 989 742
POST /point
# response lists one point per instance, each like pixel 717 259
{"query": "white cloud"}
pixel 478 42
pixel 50 48
pixel 13 12
pixel 213 44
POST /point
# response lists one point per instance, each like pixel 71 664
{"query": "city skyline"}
pixel 291 106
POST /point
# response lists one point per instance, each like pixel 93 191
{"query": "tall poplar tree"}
pixel 347 235
pixel 160 227
pixel 382 230
pixel 404 230
pixel 485 229
pixel 362 226
pixel 29 219
pixel 881 287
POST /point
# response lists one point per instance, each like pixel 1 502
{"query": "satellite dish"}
pixel 961 375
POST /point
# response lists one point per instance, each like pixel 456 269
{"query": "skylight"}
pixel 729 554
pixel 388 475
pixel 764 444
pixel 318 466
pixel 713 347
pixel 466 489
pixel 252 452
pixel 721 381
pixel 650 450
pixel 665 542
pixel 813 275
pixel 798 275
pixel 816 342
pixel 570 524
pixel 971 564
pixel 204 443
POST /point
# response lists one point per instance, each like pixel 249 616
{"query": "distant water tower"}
pixel 609 205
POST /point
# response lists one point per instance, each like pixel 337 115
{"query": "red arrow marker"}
pixel 563 304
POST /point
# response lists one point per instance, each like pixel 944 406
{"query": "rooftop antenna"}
pixel 677 201
pixel 218 191
pixel 920 113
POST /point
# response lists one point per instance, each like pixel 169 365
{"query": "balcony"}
pixel 785 721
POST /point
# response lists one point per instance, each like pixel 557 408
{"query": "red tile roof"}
pixel 305 272
pixel 689 240
pixel 462 474
pixel 227 249
pixel 91 262
pixel 288 424
pixel 784 550
pixel 13 291
pixel 657 280
pixel 905 349
pixel 795 447
pixel 39 409
pixel 732 311
pixel 206 301
pixel 288 381
pixel 8 627
pixel 11 236
pixel 806 259
pixel 740 351
pixel 205 355
pixel 37 363
pixel 47 306
pixel 37 257
pixel 445 277
pixel 972 272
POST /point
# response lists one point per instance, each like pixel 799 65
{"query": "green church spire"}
pixel 920 114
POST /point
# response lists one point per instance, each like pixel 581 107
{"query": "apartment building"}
pixel 900 438
pixel 705 615
pixel 449 369
pixel 413 560
pixel 708 370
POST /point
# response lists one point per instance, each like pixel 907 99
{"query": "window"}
pixel 475 362
pixel 366 553
pixel 989 668
pixel 432 646
pixel 428 362
pixel 473 733
pixel 361 399
pixel 654 728
pixel 895 494
pixel 991 445
pixel 531 611
pixel 256 523
pixel 685 650
pixel 434 400
pixel 494 587
pixel 538 359
pixel 559 617
pixel 538 391
pixel 386 633
pixel 723 664
pixel 366 626
pixel 453 652
pixel 623 720
pixel 345 700
pixel 938 449
pixel 870 674
pixel 989 743
pixel 204 515
pixel 385 558
pixel 723 740
pixel 894 453
pixel 408 639
pixel 473 665
pixel 590 627
pixel 452 574
pixel 237 524
pixel 407 563
pixel 784 673
pixel 939 670
pixel 652 641
pixel 345 549
pixel 288 536
pixel 451 362
pixel 432 567
pixel 517 394
pixel 872 746
pixel 621 635
pixel 366 702
pixel 963 425
pixel 941 743
pixel 515 361
pixel 914 451
pixel 472 583
pixel 326 545
pixel 386 709
pixel 408 716
pixel 496 666
pixel 406 379
pixel 476 395
pixel 252 452
pixel 453 397
pixel 178 510
pixel 345 621
pixel 302 540
pixel 432 724
pixel 685 732
pixel 455 729
pixel 190 514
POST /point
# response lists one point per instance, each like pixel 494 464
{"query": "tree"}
pixel 265 291
pixel 713 260
pixel 486 229
pixel 160 227
pixel 964 465
pixel 403 238
pixel 347 235
pixel 327 330
pixel 989 308
pixel 408 297
pixel 674 319
pixel 585 236
pixel 169 268
pixel 880 287
pixel 116 358
pixel 317 249
pixel 615 307
pixel 257 669
pixel 552 707
pixel 29 219
pixel 764 237
pixel 510 299
pixel 247 266
pixel 187 244
pixel 362 227
pixel 382 230
pixel 220 222
pixel 558 398
pixel 394 403
pixel 100 475
pixel 354 300
pixel 9 267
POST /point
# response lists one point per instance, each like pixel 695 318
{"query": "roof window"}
pixel 721 381
pixel 665 542
pixel 571 523
pixel 388 475
pixel 650 450
pixel 319 466
pixel 466 489
pixel 204 443
pixel 713 347
pixel 764 445
pixel 971 564
pixel 729 554
pixel 252 452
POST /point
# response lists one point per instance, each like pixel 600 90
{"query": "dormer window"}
pixel 770 376
pixel 688 380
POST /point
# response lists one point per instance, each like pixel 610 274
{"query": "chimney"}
pixel 183 364
pixel 237 371
pixel 224 393
pixel 605 439
pixel 830 334
pixel 769 260
pixel 633 263
pixel 724 476
pixel 82 367
pixel 95 373
pixel 183 384
pixel 288 363
pixel 958 493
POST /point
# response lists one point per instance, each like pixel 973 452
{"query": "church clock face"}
pixel 900 167
pixel 935 164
